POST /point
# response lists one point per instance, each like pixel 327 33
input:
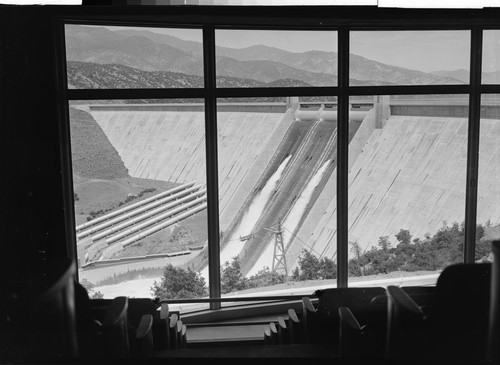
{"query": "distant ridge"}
pixel 148 51
pixel 492 77
pixel 87 75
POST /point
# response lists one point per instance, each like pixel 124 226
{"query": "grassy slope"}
pixel 101 182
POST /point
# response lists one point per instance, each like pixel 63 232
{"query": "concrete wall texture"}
pixel 170 146
pixel 410 174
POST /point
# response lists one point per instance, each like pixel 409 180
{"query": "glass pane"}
pixel 266 58
pixel 277 196
pixel 488 189
pixel 491 57
pixel 105 57
pixel 140 200
pixel 409 57
pixel 407 180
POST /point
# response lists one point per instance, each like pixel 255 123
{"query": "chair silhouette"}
pixel 274 333
pixel 144 337
pixel 350 335
pixel 137 308
pixel 115 329
pixel 309 321
pixel 404 324
pixel 173 331
pixel 368 306
pixel 38 317
pixel 267 335
pixel 493 349
pixel 456 324
pixel 293 326
pixel 161 328
pixel 363 334
pixel 88 328
pixel 283 333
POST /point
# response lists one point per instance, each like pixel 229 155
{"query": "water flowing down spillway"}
pixel 253 214
pixel 291 221
pixel 245 227
pixel 311 147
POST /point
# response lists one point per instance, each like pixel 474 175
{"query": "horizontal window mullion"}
pixel 490 89
pixel 408 25
pixel 102 94
pixel 285 16
pixel 280 298
pixel 275 91
pixel 409 89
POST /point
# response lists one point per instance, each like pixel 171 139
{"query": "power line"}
pixel 305 244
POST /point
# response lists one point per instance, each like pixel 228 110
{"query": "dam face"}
pixel 405 173
pixel 309 145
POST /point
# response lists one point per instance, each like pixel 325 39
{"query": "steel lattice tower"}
pixel 279 259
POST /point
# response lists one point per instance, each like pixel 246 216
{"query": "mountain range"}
pixel 89 75
pixel 463 75
pixel 153 52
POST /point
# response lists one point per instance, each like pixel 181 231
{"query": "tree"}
pixel 404 236
pixel 356 270
pixel 231 277
pixel 90 289
pixel 327 268
pixel 309 266
pixel 178 283
pixel 265 277
pixel 384 243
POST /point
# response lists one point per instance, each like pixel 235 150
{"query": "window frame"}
pixel 345 21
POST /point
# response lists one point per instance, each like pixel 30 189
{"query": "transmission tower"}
pixel 279 259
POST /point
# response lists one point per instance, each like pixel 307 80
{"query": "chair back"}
pixel 350 335
pixel 404 324
pixel 293 326
pixel 308 321
pixel 115 329
pixel 137 307
pixel 456 324
pixel 462 289
pixel 88 328
pixel 53 315
pixel 161 328
pixel 37 314
pixel 144 337
pixel 360 302
pixel 493 350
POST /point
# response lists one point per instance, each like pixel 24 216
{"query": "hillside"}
pixel 93 154
pixel 148 51
pixel 87 75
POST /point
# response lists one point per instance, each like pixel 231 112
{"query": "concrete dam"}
pixel 279 165
pixel 308 149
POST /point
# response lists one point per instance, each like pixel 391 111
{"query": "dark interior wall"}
pixel 32 216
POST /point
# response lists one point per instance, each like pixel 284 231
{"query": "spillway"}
pixel 252 215
pixel 292 220
pixel 308 145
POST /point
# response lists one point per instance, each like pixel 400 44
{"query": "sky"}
pixel 424 50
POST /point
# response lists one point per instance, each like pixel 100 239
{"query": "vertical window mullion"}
pixel 65 138
pixel 211 164
pixel 342 156
pixel 473 145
